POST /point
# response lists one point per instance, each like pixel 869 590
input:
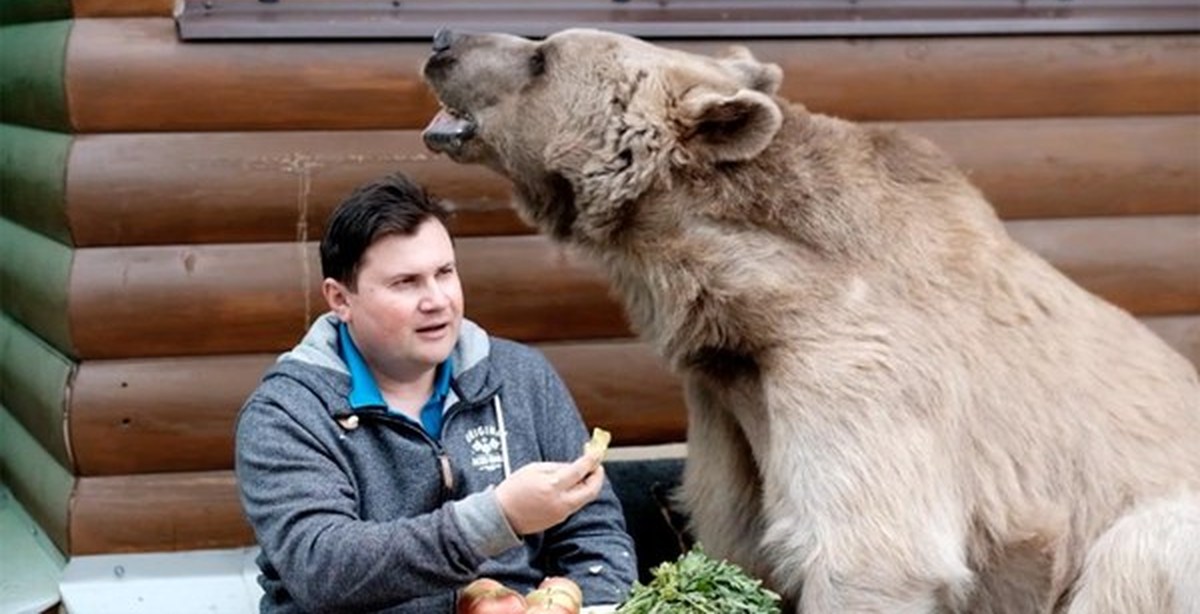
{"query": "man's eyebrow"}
pixel 419 272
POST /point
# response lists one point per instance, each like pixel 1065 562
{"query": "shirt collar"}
pixel 364 391
pixel 431 412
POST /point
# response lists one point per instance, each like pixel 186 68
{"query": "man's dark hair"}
pixel 390 205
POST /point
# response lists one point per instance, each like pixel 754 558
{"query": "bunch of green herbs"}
pixel 698 584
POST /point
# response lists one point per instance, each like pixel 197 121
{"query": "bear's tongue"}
pixel 446 132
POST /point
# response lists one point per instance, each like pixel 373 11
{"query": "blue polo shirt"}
pixel 364 392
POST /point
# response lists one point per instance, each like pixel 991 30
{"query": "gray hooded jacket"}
pixel 363 511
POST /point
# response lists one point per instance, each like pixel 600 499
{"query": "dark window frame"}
pixel 232 20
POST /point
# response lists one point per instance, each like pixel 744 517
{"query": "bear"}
pixel 892 406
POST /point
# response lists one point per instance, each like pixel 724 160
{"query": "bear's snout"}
pixel 443 57
pixel 443 39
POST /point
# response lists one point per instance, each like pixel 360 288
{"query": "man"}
pixel 399 452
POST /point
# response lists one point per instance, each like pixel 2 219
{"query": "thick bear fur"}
pixel 892 406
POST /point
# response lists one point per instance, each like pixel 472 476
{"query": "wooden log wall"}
pixel 161 200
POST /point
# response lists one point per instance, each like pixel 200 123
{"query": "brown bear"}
pixel 892 406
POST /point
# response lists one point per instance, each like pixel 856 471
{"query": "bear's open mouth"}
pixel 448 131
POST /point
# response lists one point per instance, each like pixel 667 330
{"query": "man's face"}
pixel 407 309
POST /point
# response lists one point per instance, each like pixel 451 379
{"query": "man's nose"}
pixel 435 297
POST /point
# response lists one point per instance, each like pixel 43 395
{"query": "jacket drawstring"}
pixel 503 434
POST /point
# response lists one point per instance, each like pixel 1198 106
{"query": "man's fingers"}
pixel 575 473
pixel 586 464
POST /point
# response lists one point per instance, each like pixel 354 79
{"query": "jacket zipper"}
pixel 439 451
pixel 443 459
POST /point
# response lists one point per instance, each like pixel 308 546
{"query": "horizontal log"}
pixel 159 415
pixel 35 383
pixel 1180 332
pixel 1077 167
pixel 36 478
pixel 33 171
pixel 275 85
pixel 34 281
pixel 623 387
pixel 211 299
pixel 18 11
pixel 179 188
pixel 157 512
pixel 129 189
pixel 216 299
pixel 181 511
pixel 251 86
pixel 32 88
pixel 1148 265
pixel 177 414
pixel 123 8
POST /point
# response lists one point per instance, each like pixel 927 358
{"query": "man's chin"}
pixel 437 351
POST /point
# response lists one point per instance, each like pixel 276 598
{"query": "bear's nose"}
pixel 442 39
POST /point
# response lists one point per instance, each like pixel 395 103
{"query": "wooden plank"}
pixel 177 414
pixel 229 298
pixel 1148 265
pixel 274 85
pixel 189 300
pixel 34 383
pixel 123 8
pixel 130 189
pixel 206 299
pixel 160 415
pixel 34 273
pixel 1181 333
pixel 177 188
pixel 624 387
pixel 36 478
pixel 31 74
pixel 237 86
pixel 1077 167
pixel 991 77
pixel 33 170
pixel 157 512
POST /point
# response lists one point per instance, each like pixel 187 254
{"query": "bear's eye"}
pixel 537 63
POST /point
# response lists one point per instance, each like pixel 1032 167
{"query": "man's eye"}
pixel 537 63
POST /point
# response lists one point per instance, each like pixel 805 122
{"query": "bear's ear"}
pixel 729 128
pixel 751 73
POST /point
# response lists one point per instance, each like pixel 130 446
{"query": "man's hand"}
pixel 541 495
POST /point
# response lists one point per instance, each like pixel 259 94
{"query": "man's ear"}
pixel 729 128
pixel 337 296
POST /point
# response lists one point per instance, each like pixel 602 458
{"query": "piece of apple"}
pixel 598 444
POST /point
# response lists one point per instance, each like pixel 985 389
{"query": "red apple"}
pixel 551 601
pixel 487 596
pixel 560 584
